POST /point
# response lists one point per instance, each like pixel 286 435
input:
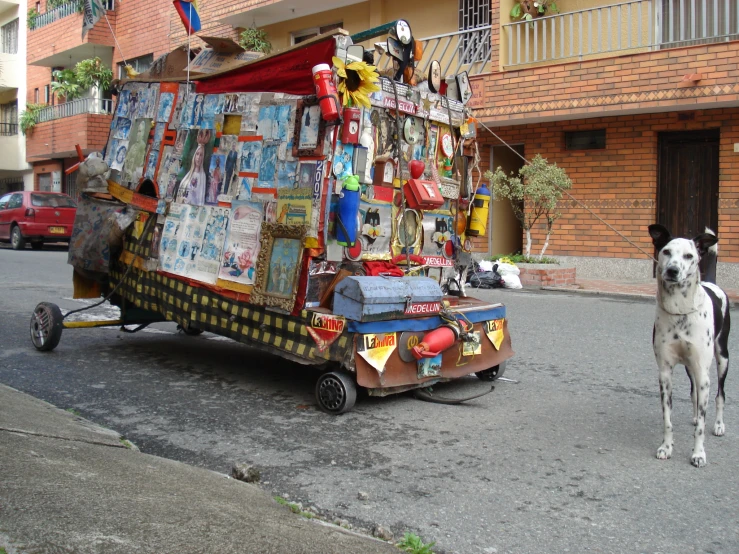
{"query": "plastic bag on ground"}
pixel 512 281
pixel 508 269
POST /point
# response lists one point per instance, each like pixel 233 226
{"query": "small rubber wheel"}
pixel 46 326
pixel 495 372
pixel 190 331
pixel 16 239
pixel 37 245
pixel 336 392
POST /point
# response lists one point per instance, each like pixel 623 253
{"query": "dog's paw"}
pixel 719 429
pixel 664 452
pixel 699 459
pixel 695 421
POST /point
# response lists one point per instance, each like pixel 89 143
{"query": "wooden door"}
pixel 687 194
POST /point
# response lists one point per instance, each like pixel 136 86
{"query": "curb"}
pixel 609 294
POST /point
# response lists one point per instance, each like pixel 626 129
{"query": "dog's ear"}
pixel 660 235
pixel 704 241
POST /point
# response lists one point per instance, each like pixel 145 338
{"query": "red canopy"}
pixel 288 72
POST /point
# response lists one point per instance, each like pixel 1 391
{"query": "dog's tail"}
pixel 707 263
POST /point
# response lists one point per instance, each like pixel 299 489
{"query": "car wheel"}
pixel 47 323
pixel 16 239
pixel 37 245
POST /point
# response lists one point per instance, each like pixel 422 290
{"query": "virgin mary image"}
pixel 193 184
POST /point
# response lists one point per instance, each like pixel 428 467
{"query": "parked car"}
pixel 36 217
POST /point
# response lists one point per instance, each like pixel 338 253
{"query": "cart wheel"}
pixel 492 374
pixel 190 331
pixel 336 392
pixel 46 326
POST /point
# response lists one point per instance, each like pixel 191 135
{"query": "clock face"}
pixel 388 173
pixel 434 76
pixel 446 145
pixel 403 31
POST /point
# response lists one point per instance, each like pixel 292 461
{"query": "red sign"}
pixel 325 329
pixel 423 308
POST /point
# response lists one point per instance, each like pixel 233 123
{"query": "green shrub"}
pixel 521 259
pixel 29 117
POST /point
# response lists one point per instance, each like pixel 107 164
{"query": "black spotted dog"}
pixel 691 327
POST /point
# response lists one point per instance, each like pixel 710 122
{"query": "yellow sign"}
pixel 494 331
pixel 376 349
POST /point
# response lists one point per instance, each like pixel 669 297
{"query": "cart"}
pixel 256 202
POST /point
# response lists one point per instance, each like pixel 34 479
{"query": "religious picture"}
pixel 151 164
pixel 196 114
pixel 283 266
pixel 309 127
pixel 122 128
pixel 123 107
pixel 267 166
pixel 166 99
pixel 267 123
pixel 209 254
pixel 134 165
pixel 246 184
pixel 119 156
pixel 286 174
pixel 216 178
pixel 251 156
pixel 193 179
pixel 242 244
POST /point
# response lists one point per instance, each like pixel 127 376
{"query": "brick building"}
pixel 636 100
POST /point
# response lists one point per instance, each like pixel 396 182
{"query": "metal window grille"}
pixel 473 14
pixel 70 186
pixel 688 22
pixel 9 37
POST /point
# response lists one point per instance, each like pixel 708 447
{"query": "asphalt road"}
pixel 562 460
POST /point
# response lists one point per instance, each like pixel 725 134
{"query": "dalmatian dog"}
pixel 690 328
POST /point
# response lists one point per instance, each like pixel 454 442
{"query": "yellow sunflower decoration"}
pixel 356 81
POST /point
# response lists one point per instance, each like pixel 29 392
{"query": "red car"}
pixel 36 217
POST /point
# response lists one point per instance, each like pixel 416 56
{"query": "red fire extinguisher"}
pixel 326 90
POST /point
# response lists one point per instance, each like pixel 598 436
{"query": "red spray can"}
pixel 435 342
pixel 326 92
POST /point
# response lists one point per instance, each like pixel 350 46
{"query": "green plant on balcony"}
pixel 255 40
pixel 53 4
pixel 73 83
pixel 33 13
pixel 29 117
pixel 529 9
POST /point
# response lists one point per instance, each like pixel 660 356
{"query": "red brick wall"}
pixel 143 28
pixel 619 183
pixel 53 138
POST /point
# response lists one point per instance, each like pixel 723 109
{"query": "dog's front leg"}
pixel 665 391
pixel 702 386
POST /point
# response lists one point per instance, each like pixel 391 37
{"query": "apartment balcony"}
pixel 618 29
pixel 268 12
pixel 55 38
pixel 13 69
pixel 85 121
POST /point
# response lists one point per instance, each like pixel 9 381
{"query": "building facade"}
pixel 15 173
pixel 638 101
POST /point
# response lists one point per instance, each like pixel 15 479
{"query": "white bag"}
pixel 508 269
pixel 512 281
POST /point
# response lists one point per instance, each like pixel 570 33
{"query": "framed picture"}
pixel 310 129
pixel 278 265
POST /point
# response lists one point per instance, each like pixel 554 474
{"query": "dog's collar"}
pixel 678 313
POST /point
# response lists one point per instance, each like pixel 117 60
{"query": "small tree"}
pixel 534 194
pixel 72 83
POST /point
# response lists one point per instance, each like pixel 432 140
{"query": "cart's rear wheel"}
pixel 336 392
pixel 46 326
pixel 190 331
pixel 495 372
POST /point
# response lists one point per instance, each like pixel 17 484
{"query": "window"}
pixel 301 36
pixel 9 118
pixel 585 140
pixel 52 201
pixel 140 64
pixel 9 37
pixel 16 201
pixel 474 47
pixel 47 94
pixel 4 201
pixel 44 182
pixel 35 96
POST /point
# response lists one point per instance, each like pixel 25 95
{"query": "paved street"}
pixel 561 460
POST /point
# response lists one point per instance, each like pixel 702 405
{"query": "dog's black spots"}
pixel 674 336
pixel 654 330
pixel 702 411
pixel 700 432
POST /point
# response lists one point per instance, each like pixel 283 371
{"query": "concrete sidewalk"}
pixel 67 485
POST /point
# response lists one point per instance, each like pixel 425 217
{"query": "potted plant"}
pixel 534 194
pixel 255 40
pixel 29 118
pixel 85 76
pixel 529 9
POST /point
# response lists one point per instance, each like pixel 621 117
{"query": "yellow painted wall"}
pixel 575 31
pixel 426 18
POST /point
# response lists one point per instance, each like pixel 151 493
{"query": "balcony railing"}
pixel 75 107
pixel 8 129
pixel 63 11
pixel 641 24
pixel 461 51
